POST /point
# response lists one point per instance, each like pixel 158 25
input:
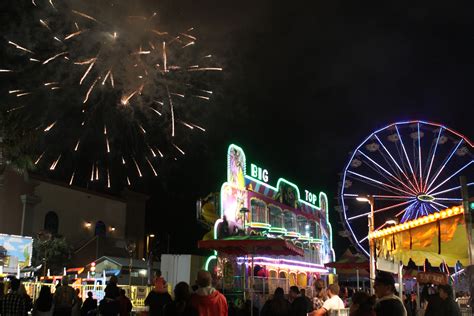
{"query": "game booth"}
pixel 266 236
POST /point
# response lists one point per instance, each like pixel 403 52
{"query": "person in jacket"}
pixel 125 305
pixel 44 303
pixel 156 301
pixel 277 306
pixel 207 300
pixel 90 304
pixel 181 306
pixel 388 304
pixel 299 306
pixel 64 299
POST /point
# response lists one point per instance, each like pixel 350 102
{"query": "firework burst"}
pixel 107 89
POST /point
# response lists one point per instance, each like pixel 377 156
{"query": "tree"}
pixel 16 143
pixel 54 252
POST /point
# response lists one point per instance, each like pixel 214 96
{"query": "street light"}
pixel 370 199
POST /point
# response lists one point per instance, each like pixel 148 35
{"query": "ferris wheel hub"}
pixel 425 197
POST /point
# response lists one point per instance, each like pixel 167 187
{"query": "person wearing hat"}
pixel 388 304
pixel 448 306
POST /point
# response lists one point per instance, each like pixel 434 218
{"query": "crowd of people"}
pixel 65 301
pixel 203 299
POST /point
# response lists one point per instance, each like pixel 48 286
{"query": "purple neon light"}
pixel 432 159
pixel 390 155
pixel 387 172
pixel 419 156
pixel 467 165
pixel 425 207
pixel 406 156
pixel 444 165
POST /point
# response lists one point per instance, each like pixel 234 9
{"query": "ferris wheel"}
pixel 411 169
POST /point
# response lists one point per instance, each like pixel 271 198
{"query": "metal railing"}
pixel 137 294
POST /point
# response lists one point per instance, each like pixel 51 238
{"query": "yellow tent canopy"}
pixel 439 237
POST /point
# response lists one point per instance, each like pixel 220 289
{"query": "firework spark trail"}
pixel 188 44
pixel 50 126
pixel 15 108
pixel 187 125
pixel 85 16
pixel 125 98
pixel 142 60
pixel 90 90
pixel 91 63
pixel 106 76
pixel 20 47
pixel 72 178
pixel 199 127
pixel 69 36
pixel 155 110
pixel 151 166
pixel 39 158
pixel 141 128
pixel 138 168
pixel 43 23
pixel 205 69
pixel 201 97
pixel 179 149
pixel 92 172
pixel 54 57
pixel 171 110
pixel 152 152
pixel 55 163
pixel 165 58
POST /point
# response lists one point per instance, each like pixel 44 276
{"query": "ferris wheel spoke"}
pixel 419 156
pixel 406 156
pixel 452 189
pixel 383 197
pixel 432 159
pixel 439 204
pixel 378 182
pixel 387 172
pixel 449 199
pixel 390 181
pixel 379 210
pixel 450 177
pixel 407 212
pixel 394 161
pixel 444 165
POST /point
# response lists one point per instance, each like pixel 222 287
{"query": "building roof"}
pixel 125 262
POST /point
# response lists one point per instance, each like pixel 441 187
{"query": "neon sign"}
pixel 310 197
pixel 258 173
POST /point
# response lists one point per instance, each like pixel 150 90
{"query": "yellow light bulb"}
pixel 436 215
pixel 443 214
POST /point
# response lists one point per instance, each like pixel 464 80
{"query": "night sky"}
pixel 304 83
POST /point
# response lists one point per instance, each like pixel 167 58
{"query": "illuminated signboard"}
pixel 15 252
pixel 248 198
